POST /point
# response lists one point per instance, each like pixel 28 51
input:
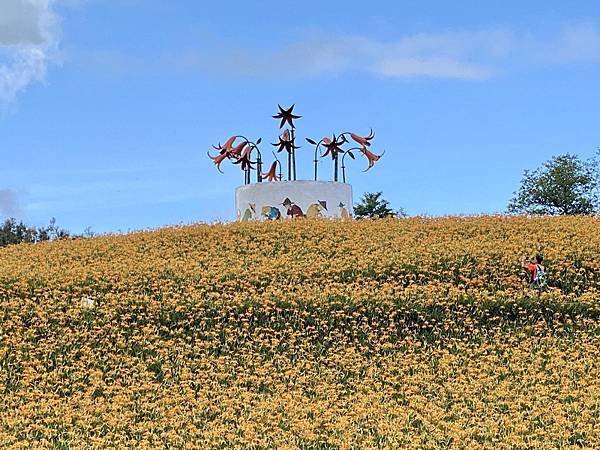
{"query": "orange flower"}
pixel 226 147
pixel 365 141
pixel 226 151
pixel 332 146
pixel 218 159
pixel 244 159
pixel 285 143
pixel 271 175
pixel 371 157
pixel 236 151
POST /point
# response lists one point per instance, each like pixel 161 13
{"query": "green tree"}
pixel 373 206
pixel 564 185
pixel 13 232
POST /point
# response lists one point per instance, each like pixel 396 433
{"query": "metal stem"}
pixel 259 168
pixel 335 171
pixel 293 153
pixel 344 163
pixel 316 161
pixel 258 161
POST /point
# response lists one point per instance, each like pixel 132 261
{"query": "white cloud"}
pixel 468 55
pixel 576 43
pixel 9 202
pixel 439 67
pixel 28 40
pixel 444 55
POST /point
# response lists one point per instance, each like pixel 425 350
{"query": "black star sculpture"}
pixel 286 115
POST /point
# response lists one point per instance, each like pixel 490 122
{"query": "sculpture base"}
pixel 293 199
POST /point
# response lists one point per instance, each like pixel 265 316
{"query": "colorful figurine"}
pixel 314 210
pixel 249 213
pixel 271 212
pixel 293 210
pixel 344 214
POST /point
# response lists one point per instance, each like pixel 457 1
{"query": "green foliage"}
pixel 564 185
pixel 13 232
pixel 373 206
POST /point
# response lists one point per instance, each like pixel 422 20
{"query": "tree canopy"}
pixel 564 185
pixel 373 206
pixel 13 232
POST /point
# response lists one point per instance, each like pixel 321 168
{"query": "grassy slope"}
pixel 392 334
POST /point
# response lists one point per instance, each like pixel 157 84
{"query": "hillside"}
pixel 403 333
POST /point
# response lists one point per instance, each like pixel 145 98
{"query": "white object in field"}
pixel 287 199
pixel 87 303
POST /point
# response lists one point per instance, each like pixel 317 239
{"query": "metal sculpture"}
pixel 239 150
pixel 271 175
pixel 287 140
pixel 334 147
pixel 240 154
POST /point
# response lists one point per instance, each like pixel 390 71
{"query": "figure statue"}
pixel 271 212
pixel 293 210
pixel 314 210
pixel 343 211
pixel 249 213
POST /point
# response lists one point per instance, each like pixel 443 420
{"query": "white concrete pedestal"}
pixel 290 199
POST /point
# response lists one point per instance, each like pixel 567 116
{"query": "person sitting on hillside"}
pixel 535 269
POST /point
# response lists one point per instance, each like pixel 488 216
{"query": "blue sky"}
pixel 107 108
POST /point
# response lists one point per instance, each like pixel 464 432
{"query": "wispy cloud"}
pixel 28 41
pixel 446 55
pixel 575 43
pixel 468 55
pixel 9 202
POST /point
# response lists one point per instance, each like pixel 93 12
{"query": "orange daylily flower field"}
pixel 310 334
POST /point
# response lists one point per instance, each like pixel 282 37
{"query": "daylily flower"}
pixel 244 159
pixel 236 151
pixel 332 146
pixel 271 175
pixel 218 159
pixel 365 141
pixel 285 143
pixel 371 157
pixel 226 147
pixel 227 151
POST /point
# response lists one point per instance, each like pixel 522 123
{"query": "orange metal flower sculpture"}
pixel 218 160
pixel 371 157
pixel 333 147
pixel 226 147
pixel 287 140
pixel 226 151
pixel 236 151
pixel 365 141
pixel 285 143
pixel 240 154
pixel 244 158
pixel 271 175
pixel 337 147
